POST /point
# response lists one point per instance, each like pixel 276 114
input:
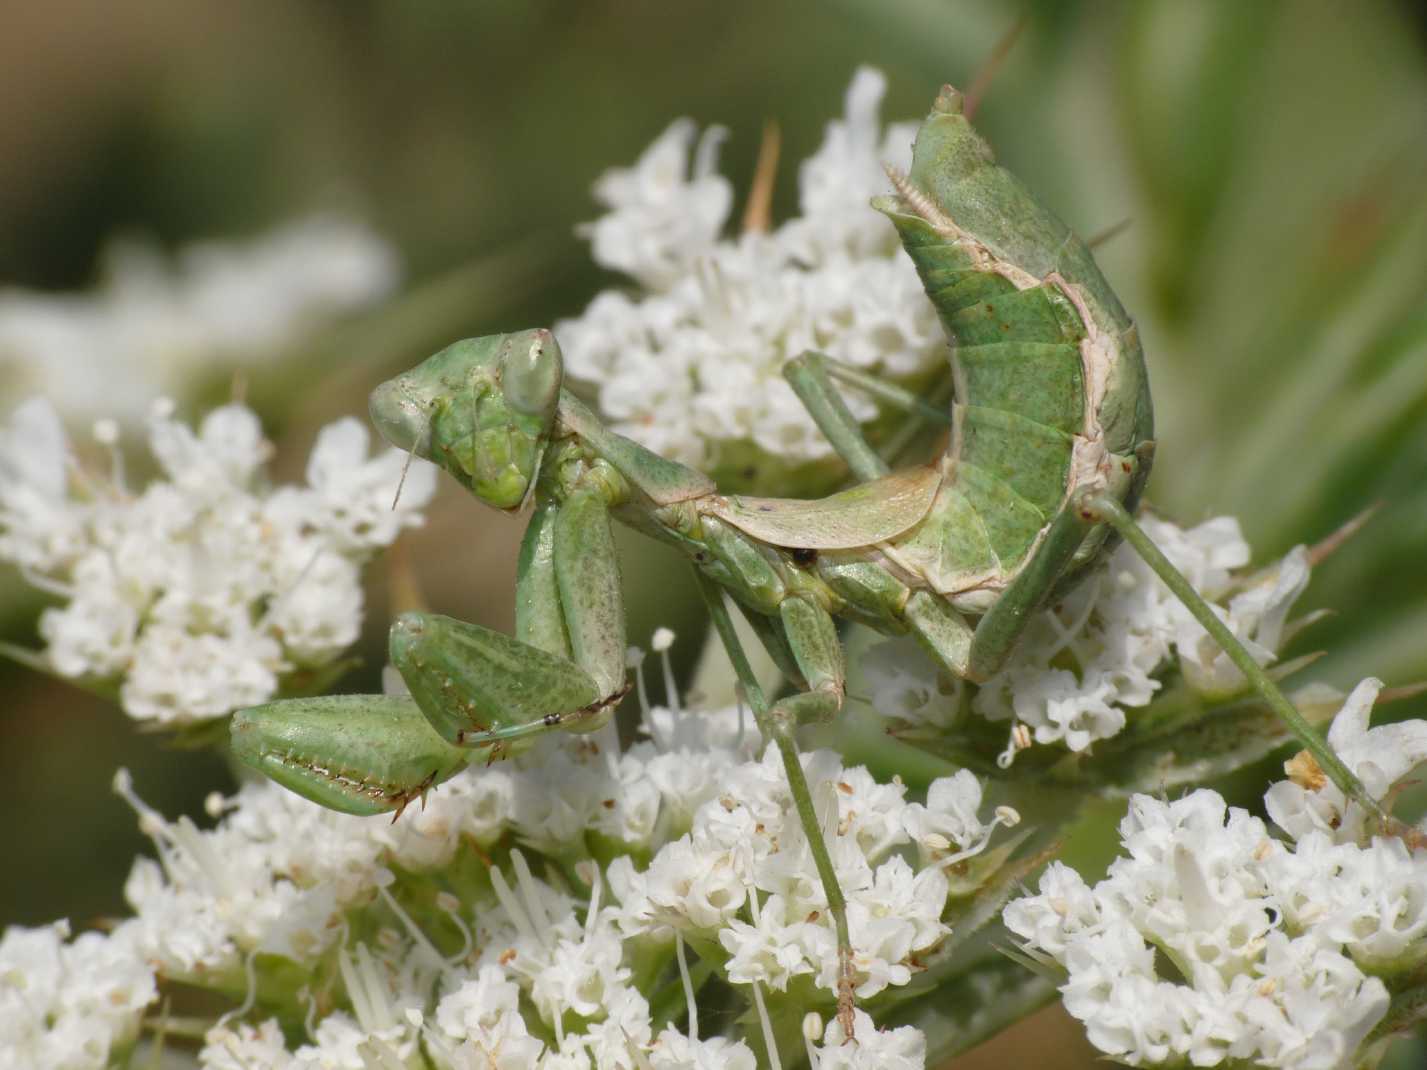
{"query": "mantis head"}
pixel 482 409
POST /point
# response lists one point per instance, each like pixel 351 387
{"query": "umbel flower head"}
pixel 1216 942
pixel 210 588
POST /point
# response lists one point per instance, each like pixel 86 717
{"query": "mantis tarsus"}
pixel 1051 443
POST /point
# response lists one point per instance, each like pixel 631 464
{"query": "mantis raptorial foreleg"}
pixel 811 376
pixel 539 616
pixel 808 375
pixel 566 666
pixel 484 689
pixel 360 754
pixel 1103 509
pixel 475 692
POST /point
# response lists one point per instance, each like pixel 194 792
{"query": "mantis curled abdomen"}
pixel 1050 384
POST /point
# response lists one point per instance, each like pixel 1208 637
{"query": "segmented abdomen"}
pixel 1048 371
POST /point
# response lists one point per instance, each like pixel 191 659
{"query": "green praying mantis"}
pixel 1050 446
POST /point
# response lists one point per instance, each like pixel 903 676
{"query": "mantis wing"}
pixel 860 516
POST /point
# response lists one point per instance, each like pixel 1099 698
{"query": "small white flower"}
pixel 352 495
pixel 688 886
pixel 223 455
pixel 769 952
pixel 1190 885
pixel 479 1025
pixel 1309 1007
pixel 870 813
pixel 1380 757
pixel 622 1036
pixel 674 1051
pixel 903 684
pixel 871 1048
pixel 241 1047
pixel 38 529
pixel 1051 921
pixel 1371 900
pixel 948 822
pixel 661 216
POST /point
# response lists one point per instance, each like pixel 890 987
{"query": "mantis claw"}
pixel 419 792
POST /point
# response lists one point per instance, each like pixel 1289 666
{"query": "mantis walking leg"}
pixel 1104 509
pixel 812 639
pixel 811 376
pixel 770 633
pixel 808 376
pixel 822 664
pixel 1002 625
pixel 819 366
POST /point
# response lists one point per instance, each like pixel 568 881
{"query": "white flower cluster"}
pixel 1118 627
pixel 692 363
pixel 70 1005
pixel 1215 942
pixel 707 855
pixel 111 352
pixel 743 876
pixel 196 595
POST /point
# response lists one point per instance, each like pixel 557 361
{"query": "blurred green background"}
pixel 1270 158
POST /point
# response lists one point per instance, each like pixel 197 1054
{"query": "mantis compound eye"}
pixel 532 371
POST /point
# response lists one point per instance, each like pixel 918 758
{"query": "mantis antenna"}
pixel 410 454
